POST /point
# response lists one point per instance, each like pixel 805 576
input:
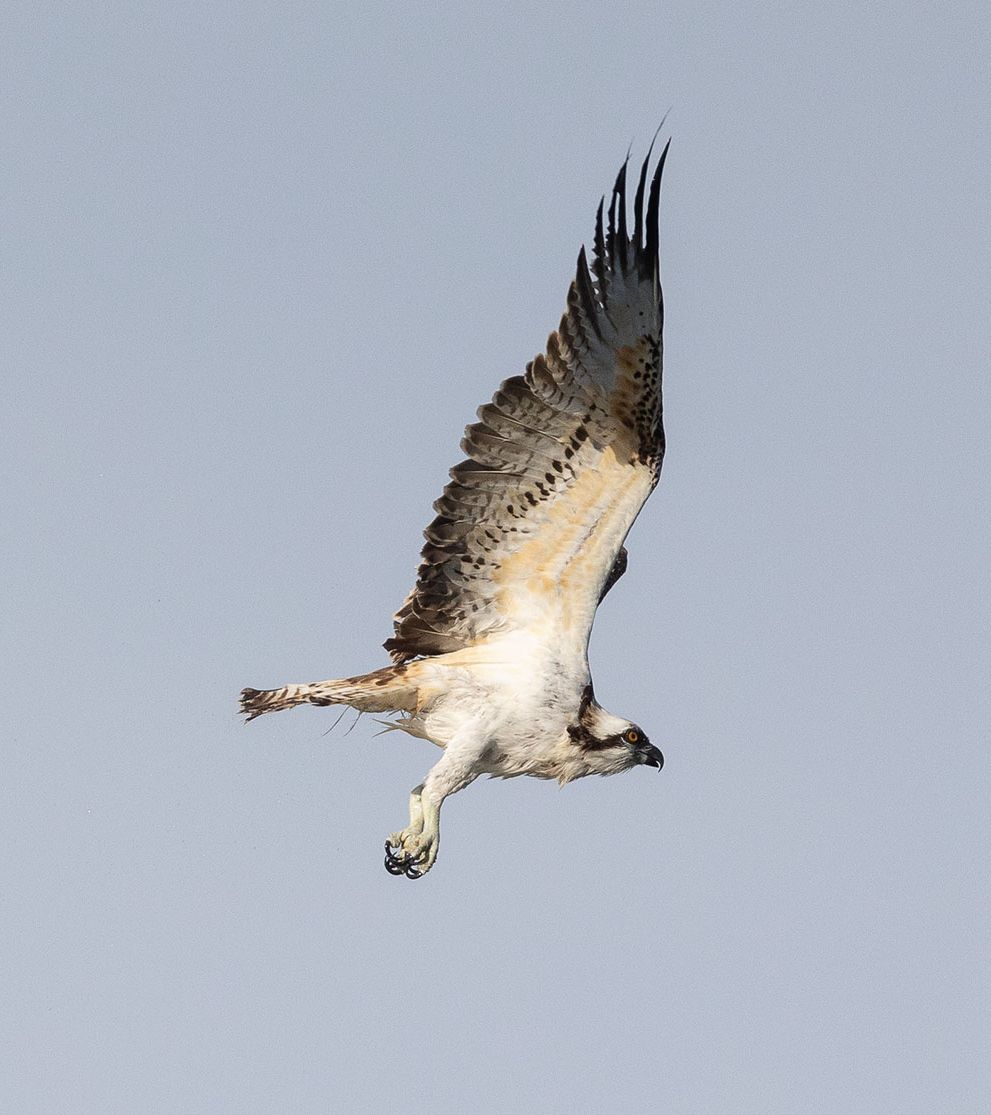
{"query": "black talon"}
pixel 393 864
pixel 403 863
pixel 412 871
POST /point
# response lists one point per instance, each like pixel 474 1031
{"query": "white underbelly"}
pixel 508 691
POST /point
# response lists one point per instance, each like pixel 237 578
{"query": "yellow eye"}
pixel 632 735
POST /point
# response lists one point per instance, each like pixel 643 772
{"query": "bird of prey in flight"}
pixel 490 649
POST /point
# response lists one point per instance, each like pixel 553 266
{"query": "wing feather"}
pixel 531 526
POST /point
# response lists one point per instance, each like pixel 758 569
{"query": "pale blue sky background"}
pixel 260 264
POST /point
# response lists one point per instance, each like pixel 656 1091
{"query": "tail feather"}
pixel 386 690
pixel 255 702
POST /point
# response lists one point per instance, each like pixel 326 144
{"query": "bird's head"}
pixel 610 744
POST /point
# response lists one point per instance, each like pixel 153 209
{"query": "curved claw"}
pixel 393 864
pixel 403 863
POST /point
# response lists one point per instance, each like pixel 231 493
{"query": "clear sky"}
pixel 261 262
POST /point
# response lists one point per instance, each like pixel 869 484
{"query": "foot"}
pixel 413 851
pixel 410 853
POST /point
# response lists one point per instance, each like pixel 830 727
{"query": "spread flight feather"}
pixel 559 463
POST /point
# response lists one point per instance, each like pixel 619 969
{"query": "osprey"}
pixel 490 650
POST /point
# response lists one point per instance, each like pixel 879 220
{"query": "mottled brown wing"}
pixel 530 529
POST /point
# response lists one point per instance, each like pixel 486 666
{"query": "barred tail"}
pixel 254 702
pixel 386 690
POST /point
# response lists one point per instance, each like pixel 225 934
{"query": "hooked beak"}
pixel 649 756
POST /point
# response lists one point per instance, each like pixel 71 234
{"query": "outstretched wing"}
pixel 530 529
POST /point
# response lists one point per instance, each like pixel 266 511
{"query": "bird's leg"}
pixel 415 819
pixel 413 851
pixel 416 846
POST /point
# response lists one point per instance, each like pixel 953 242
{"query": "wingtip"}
pixel 652 246
pixel 619 196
